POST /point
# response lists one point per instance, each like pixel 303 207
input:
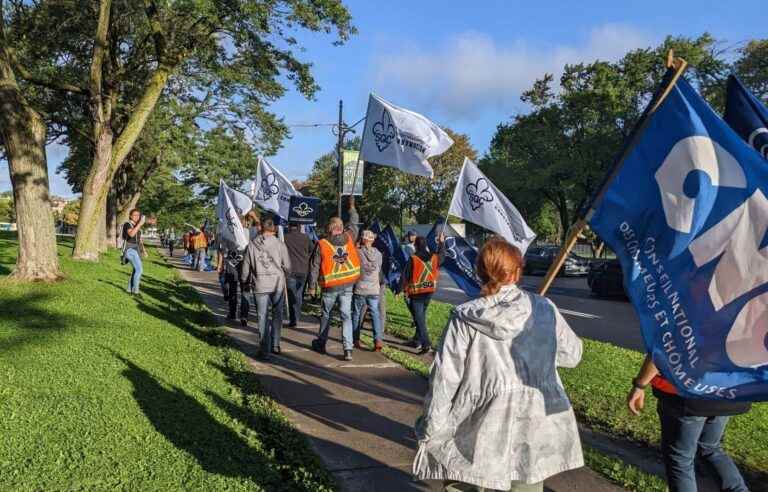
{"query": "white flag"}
pixel 271 190
pixel 402 139
pixel 229 213
pixel 477 200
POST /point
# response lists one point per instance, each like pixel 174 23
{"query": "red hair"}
pixel 498 264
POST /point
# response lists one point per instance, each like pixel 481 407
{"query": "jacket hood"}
pixel 501 316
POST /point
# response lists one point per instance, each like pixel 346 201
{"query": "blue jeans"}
pixel 199 260
pixel 295 283
pixel 359 302
pixel 419 305
pixel 681 436
pixel 344 296
pixel 270 337
pixel 134 258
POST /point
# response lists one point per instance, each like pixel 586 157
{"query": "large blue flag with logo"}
pixel 747 115
pixel 393 258
pixel 460 260
pixel 687 216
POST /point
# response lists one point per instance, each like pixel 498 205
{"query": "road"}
pixel 606 320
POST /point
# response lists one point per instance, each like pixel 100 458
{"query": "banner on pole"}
pixel 399 138
pixel 271 190
pixel 477 200
pixel 349 160
pixel 303 210
pixel 687 216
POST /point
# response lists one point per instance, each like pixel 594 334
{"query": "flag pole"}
pixel 357 164
pixel 675 68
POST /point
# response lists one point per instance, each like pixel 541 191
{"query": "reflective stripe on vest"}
pixel 423 276
pixel 339 265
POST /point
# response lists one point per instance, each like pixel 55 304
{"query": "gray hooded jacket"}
pixel 496 410
pixel 264 265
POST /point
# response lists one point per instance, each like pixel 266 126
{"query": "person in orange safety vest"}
pixel 335 267
pixel 420 280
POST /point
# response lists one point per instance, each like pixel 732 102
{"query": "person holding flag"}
pixel 420 283
pixel 335 267
pixel 264 270
pixel 685 209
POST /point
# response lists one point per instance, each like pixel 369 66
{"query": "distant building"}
pixel 58 204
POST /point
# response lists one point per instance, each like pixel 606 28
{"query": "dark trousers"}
pixel 419 305
pixel 170 248
pixel 232 287
pixel 295 283
pixel 682 436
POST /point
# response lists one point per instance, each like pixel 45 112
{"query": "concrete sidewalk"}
pixel 357 415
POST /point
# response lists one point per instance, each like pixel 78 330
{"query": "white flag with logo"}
pixel 400 138
pixel 230 206
pixel 271 190
pixel 477 200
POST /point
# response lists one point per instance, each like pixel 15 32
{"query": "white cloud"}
pixel 472 73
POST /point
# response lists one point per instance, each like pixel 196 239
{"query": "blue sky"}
pixel 464 64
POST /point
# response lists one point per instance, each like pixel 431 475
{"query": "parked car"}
pixel 606 279
pixel 539 258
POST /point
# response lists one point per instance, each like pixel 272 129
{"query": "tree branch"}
pixel 150 7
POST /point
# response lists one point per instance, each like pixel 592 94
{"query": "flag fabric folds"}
pixel 393 257
pixel 477 200
pixel 271 190
pixel 747 115
pixel 687 216
pixel 399 138
pixel 230 205
pixel 460 259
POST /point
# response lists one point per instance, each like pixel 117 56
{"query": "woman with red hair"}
pixel 496 415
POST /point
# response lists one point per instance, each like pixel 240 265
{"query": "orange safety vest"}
pixel 423 276
pixel 339 265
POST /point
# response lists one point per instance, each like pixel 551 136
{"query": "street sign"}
pixel 350 158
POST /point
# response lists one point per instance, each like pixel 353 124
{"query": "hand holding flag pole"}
pixel 675 68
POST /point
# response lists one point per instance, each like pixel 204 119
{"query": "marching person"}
pixel 688 425
pixel 367 291
pixel 409 244
pixel 264 266
pixel 336 267
pixel 229 265
pixel 496 415
pixel 171 239
pixel 300 249
pixel 199 245
pixel 133 248
pixel 419 283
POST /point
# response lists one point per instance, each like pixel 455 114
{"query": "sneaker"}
pixel 348 355
pixel 244 322
pixel 425 349
pixel 415 344
pixel 378 346
pixel 277 350
pixel 318 346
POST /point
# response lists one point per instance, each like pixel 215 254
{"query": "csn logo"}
pixel 479 193
pixel 268 187
pixel 383 131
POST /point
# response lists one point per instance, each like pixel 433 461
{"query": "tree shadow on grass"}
pixel 186 424
pixel 27 320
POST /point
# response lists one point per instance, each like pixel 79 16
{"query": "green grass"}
pixel 598 388
pixel 99 391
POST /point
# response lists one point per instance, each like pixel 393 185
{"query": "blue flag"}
pixel 311 232
pixel 460 260
pixel 747 115
pixel 375 227
pixel 393 258
pixel 303 209
pixel 687 216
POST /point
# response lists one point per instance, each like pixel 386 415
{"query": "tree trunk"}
pixel 23 133
pixel 111 237
pixel 106 161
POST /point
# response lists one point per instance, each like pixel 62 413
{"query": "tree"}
pixel 109 66
pixel 560 151
pixel 23 134
pixel 752 67
pixel 7 211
